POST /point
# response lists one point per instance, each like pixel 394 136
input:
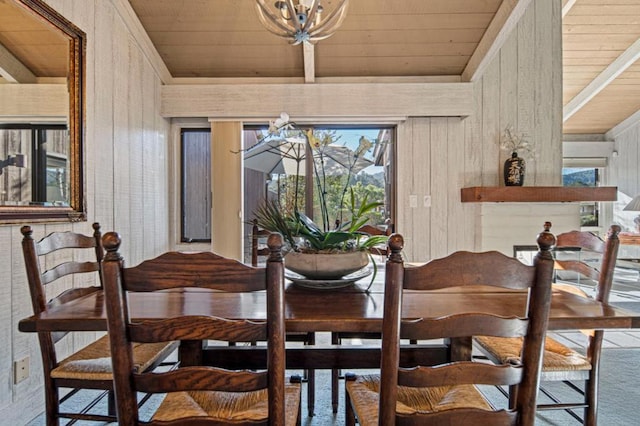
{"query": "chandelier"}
pixel 302 20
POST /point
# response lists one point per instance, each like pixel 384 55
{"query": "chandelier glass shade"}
pixel 302 21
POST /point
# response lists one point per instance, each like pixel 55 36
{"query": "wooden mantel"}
pixel 537 194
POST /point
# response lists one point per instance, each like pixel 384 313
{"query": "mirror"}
pixel 41 114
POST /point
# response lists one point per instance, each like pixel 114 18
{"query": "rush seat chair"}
pixel 561 363
pixel 447 393
pixel 198 394
pixel 76 258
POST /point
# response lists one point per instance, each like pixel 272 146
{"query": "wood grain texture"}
pixel 547 87
pixel 100 129
pixel 599 39
pixel 108 83
pixel 531 194
pixel 498 31
pixel 309 100
pixel 226 182
pixel 626 174
pixel 438 173
pixel 357 312
pixel 195 271
pixel 13 70
pixel 458 269
pixel 109 130
pixel 34 100
pixel 6 356
pixel 406 38
pixel 491 130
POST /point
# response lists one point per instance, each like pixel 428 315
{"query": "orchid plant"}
pixel 300 231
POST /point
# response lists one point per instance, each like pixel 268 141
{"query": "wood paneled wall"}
pixel 126 158
pixel 624 172
pixel 520 88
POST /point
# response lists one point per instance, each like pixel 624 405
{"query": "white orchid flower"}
pixel 279 124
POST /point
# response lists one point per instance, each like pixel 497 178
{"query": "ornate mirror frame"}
pixel 76 210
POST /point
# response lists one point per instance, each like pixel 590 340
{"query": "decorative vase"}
pixel 326 266
pixel 514 169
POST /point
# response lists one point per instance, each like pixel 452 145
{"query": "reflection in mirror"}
pixel 41 114
pixel 39 155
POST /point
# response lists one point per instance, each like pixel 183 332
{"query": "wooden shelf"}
pixel 537 194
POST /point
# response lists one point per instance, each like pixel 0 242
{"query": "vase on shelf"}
pixel 514 169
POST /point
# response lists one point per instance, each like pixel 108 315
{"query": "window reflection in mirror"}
pixel 35 169
pixel 41 114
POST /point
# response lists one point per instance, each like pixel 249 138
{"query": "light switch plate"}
pixel 20 370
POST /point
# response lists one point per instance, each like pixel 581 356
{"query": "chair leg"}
pixel 349 415
pixel 591 399
pixel 310 339
pixel 311 392
pixel 335 378
pixel 513 390
pixel 111 403
pixel 52 406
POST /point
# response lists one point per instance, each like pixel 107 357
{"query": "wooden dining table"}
pixel 349 309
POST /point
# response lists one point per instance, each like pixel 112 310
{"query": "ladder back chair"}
pixel 336 337
pixel 447 394
pixel 561 363
pixel 259 250
pixel 195 394
pixel 90 367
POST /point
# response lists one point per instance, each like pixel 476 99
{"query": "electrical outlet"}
pixel 20 370
pixel 413 201
pixel 427 201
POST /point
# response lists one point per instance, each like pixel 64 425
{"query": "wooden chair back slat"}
pixel 579 267
pixel 478 270
pixel 32 252
pixel 580 239
pixel 205 270
pixel 464 325
pixel 463 269
pixel 256 250
pixel 372 230
pixel 68 268
pixel 198 328
pixel 63 240
pixel 460 373
pixel 201 378
pixel 607 249
pixel 71 294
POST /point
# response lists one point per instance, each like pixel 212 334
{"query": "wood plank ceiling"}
pixel 379 38
pixel 411 40
pixel 402 38
pixel 601 43
pixel 29 48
